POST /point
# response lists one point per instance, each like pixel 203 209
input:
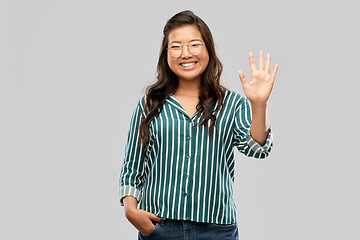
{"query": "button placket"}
pixel 187 157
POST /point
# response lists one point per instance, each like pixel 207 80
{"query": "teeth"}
pixel 188 64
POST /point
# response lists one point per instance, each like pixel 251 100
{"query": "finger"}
pixel 273 75
pixel 268 63
pixel 252 62
pixel 261 61
pixel 242 78
pixel 154 218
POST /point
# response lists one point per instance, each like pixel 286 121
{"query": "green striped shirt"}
pixel 184 173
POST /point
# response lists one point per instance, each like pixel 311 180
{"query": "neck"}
pixel 190 88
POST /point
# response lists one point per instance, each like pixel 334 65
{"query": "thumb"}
pixel 242 78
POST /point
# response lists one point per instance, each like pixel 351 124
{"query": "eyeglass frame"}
pixel 181 46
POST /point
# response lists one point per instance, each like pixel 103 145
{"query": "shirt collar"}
pixel 175 103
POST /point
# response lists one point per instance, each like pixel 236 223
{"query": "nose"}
pixel 185 51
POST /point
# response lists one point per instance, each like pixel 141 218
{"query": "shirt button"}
pixel 189 138
pixel 186 175
pixel 188 157
pixel 185 194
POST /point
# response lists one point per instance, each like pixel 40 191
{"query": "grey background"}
pixel 72 72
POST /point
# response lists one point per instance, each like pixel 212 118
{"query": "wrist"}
pixel 129 212
pixel 258 105
pixel 130 205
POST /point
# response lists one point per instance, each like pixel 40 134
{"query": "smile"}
pixel 188 65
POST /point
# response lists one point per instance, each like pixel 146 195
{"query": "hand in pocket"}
pixel 142 220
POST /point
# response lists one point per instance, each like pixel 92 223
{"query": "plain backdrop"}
pixel 71 74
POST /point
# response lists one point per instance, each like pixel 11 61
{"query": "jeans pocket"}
pixel 151 233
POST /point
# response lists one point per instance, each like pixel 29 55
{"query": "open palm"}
pixel 259 88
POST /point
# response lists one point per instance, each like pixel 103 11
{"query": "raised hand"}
pixel 259 88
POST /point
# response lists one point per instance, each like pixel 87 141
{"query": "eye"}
pixel 195 44
pixel 175 47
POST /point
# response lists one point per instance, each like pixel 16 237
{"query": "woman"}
pixel 179 160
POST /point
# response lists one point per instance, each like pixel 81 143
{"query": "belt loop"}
pixel 162 220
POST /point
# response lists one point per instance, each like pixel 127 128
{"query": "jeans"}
pixel 187 230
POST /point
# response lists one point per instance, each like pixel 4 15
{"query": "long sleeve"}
pixel 132 173
pixel 242 138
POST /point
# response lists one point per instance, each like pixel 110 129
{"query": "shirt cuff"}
pixel 256 147
pixel 129 191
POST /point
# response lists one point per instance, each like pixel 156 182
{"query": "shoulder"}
pixel 234 99
pixel 141 103
pixel 139 108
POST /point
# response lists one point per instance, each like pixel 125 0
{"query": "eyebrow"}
pixel 190 41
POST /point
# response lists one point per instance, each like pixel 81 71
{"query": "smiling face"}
pixel 187 67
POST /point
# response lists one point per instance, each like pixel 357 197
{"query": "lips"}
pixel 188 65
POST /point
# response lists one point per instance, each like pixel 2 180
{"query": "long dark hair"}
pixel 210 91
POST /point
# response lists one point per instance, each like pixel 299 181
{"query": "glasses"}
pixel 194 48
